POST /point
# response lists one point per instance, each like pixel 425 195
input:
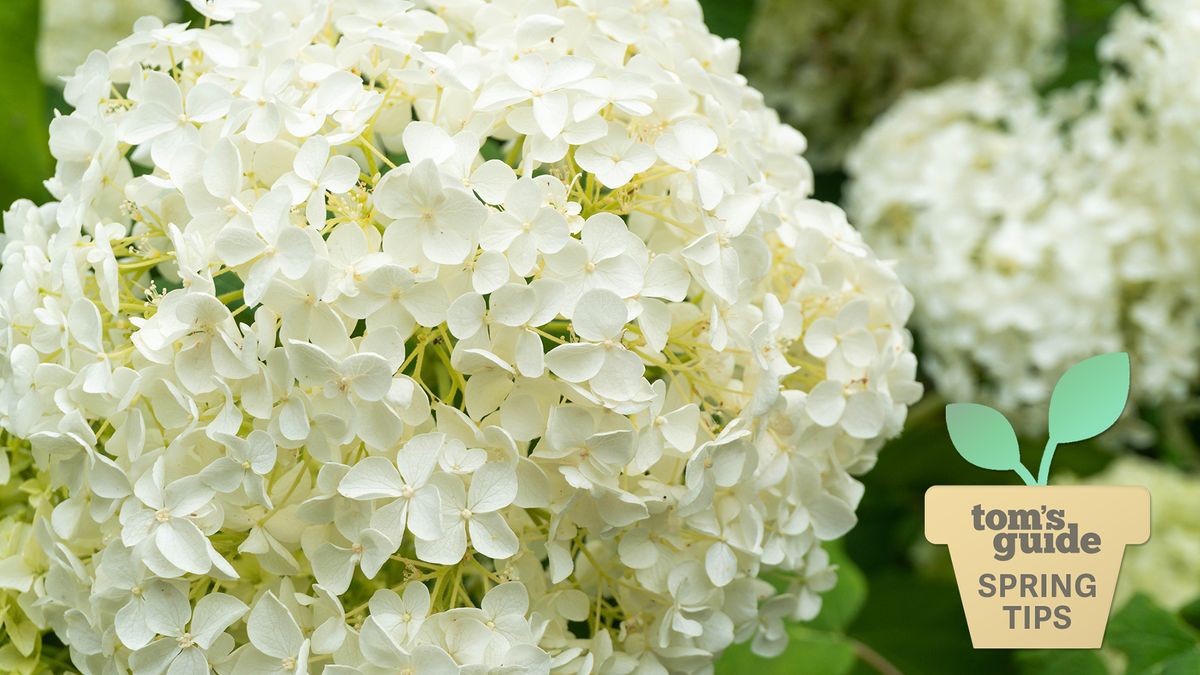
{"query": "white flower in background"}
pixel 832 66
pixel 1150 103
pixel 1035 234
pixel 71 29
pixel 956 184
pixel 479 337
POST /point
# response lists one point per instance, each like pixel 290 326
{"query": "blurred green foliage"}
pixel 1086 23
pixel 728 18
pixel 22 105
pixel 1153 640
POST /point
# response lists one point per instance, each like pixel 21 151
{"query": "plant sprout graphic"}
pixel 1087 400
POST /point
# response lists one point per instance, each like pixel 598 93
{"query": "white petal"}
pixel 550 112
pixel 417 459
pixel 377 548
pixel 666 278
pixel 493 487
pixel 575 362
pixel 272 629
pixel 445 550
pixel 599 316
pixel 189 662
pixel 214 613
pixel 293 420
pixel 237 245
pixel 507 599
pixel 295 251
pixel 223 475
pixel 486 391
pixel 859 349
pixel 311 159
pixel 369 376
pixel 340 175
pixel 821 337
pixel 492 180
pixel 636 550
pixel 531 360
pixel 130 624
pixel 223 170
pixel 825 403
pixel 311 365
pixel 491 272
pixel 166 608
pixel 491 536
pixel 423 141
pixel 721 564
pixel 425 514
pixel 512 305
pixel 464 318
pixel 85 323
pixel 155 657
pixel 621 377
pixel 372 478
pixel 831 517
pixel 183 545
pixel 865 414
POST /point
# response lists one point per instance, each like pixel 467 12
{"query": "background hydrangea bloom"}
pixel 71 29
pixel 1036 231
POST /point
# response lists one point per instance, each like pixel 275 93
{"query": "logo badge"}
pixel 1037 565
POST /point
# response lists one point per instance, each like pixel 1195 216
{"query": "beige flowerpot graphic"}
pixel 1037 566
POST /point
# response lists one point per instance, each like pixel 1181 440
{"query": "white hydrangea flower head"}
pixel 956 184
pixel 71 29
pixel 1036 233
pixel 831 67
pixel 1151 93
pixel 365 336
pixel 1149 102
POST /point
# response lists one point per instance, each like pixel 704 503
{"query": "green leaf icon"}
pixel 983 436
pixel 1089 398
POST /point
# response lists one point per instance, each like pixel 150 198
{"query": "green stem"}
pixel 873 658
pixel 1047 458
pixel 1024 474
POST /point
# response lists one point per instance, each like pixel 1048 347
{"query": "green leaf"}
pixel 983 436
pixel 809 651
pixel 1089 398
pixel 1191 613
pixel 1149 635
pixel 1055 661
pixel 1187 663
pixel 26 131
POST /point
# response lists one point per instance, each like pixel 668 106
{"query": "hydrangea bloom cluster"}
pixel 374 336
pixel 1038 232
pixel 71 29
pixel 831 67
